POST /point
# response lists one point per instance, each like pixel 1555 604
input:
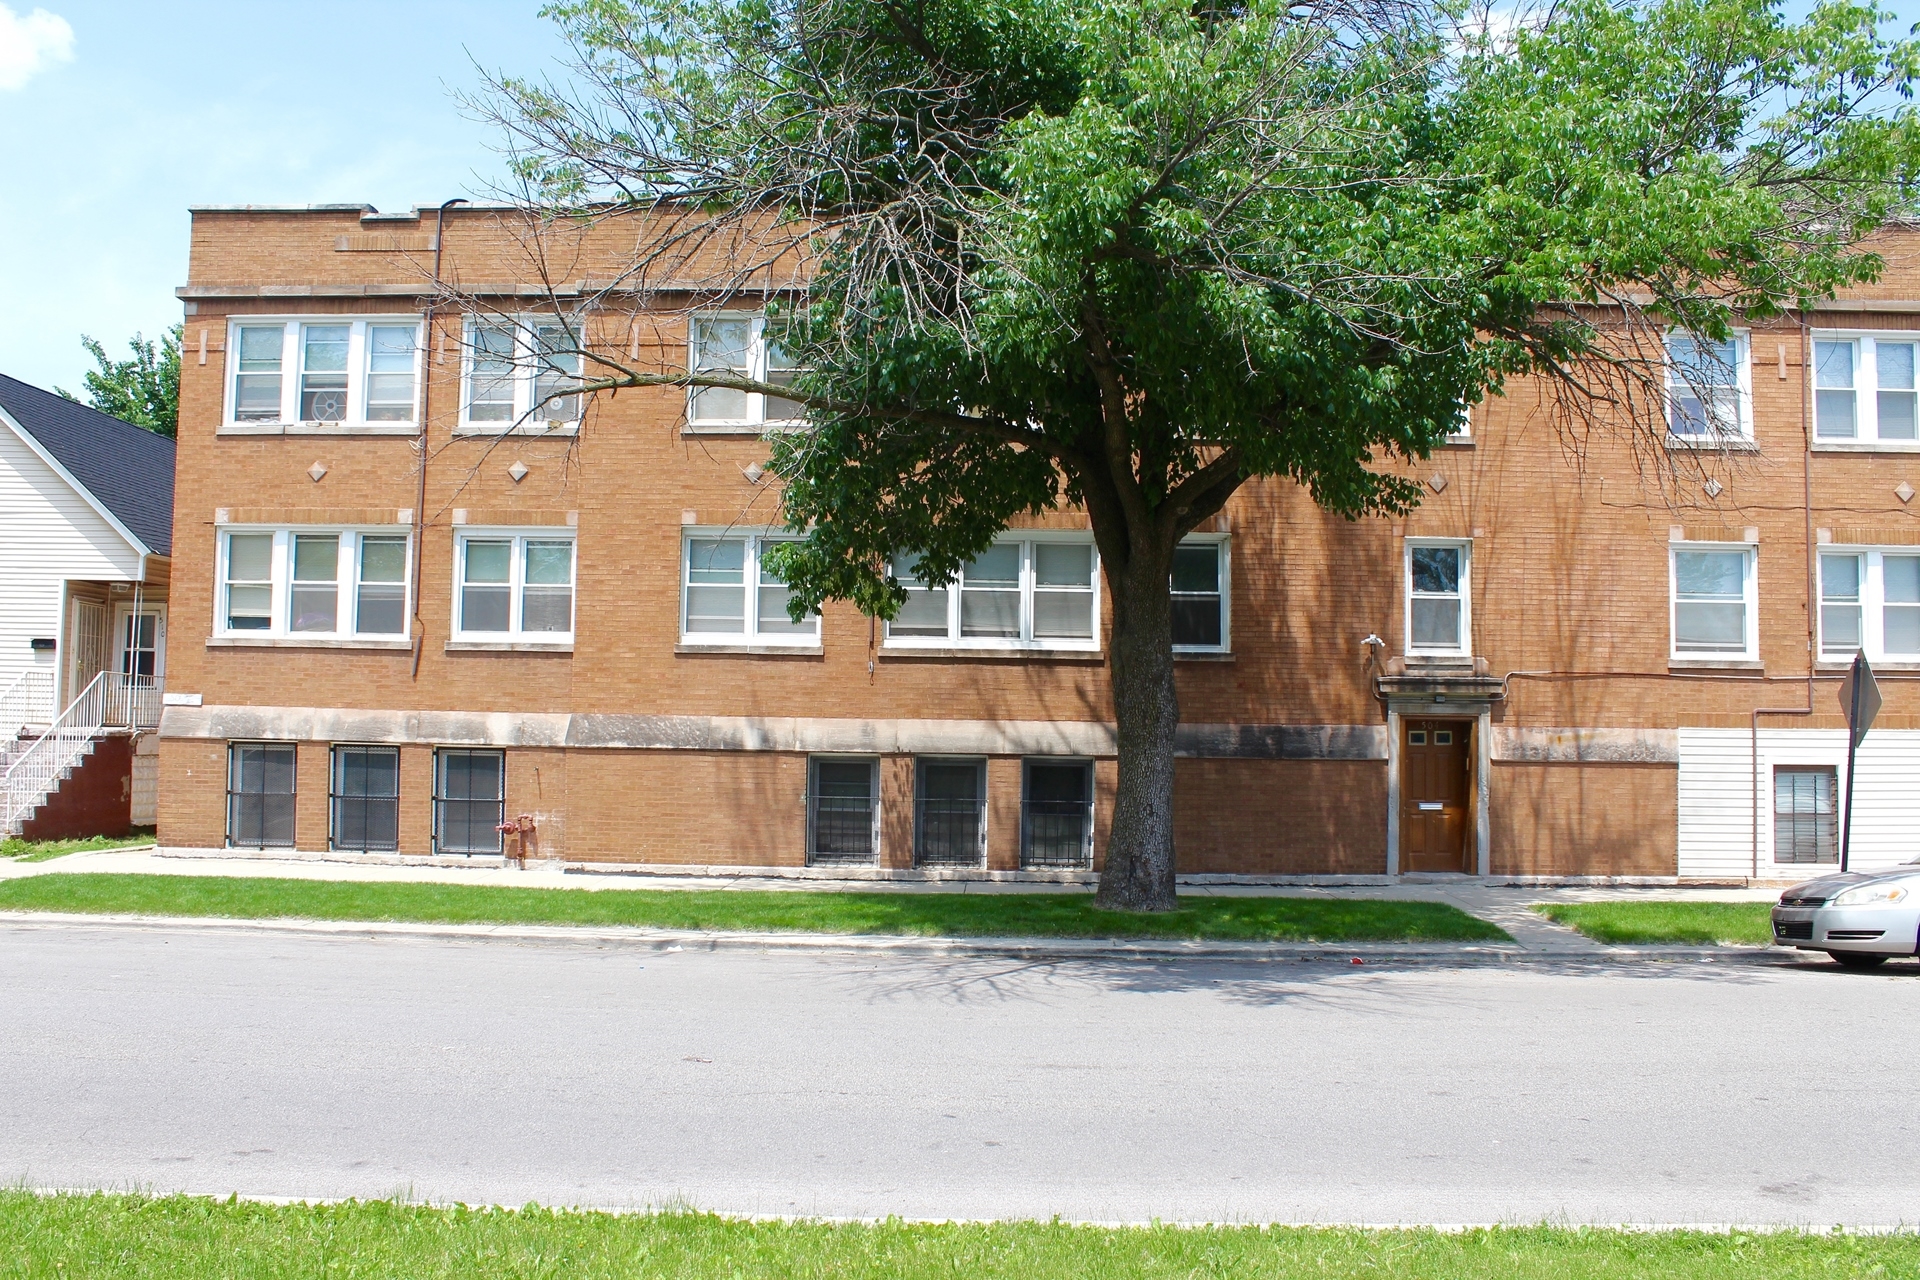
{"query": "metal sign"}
pixel 1860 699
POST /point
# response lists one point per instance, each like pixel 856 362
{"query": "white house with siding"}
pixel 86 536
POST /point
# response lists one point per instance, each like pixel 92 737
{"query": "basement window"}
pixel 1805 829
pixel 469 800
pixel 365 800
pixel 260 795
pixel 843 811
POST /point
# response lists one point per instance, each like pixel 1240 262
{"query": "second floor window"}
pixel 1713 603
pixel 1864 389
pixel 1042 593
pixel 313 583
pixel 512 585
pixel 1199 596
pixel 1707 389
pixel 747 347
pixel 324 371
pixel 1438 600
pixel 1870 601
pixel 520 376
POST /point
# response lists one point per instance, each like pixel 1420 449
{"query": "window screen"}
pixel 366 798
pixel 260 795
pixel 470 801
pixel 1804 825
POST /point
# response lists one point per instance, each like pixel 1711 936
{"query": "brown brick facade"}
pixel 1569 579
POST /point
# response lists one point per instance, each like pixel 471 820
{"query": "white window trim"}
pixel 1224 543
pixel 346 583
pixel 516 586
pixel 1873 602
pixel 750 583
pixel 1465 647
pixel 1866 390
pixel 289 423
pixel 526 376
pixel 756 419
pixel 1743 397
pixel 1026 540
pixel 1751 582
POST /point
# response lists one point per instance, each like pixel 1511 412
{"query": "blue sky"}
pixel 117 116
pixel 109 133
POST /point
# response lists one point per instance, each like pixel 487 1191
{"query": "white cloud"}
pixel 31 44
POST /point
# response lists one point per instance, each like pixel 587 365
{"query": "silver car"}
pixel 1860 918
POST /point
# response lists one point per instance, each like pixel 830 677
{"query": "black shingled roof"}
pixel 127 469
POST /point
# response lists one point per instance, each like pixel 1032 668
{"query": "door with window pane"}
pixel 469 801
pixel 366 799
pixel 1435 781
pixel 841 804
pixel 950 812
pixel 1056 815
pixel 260 780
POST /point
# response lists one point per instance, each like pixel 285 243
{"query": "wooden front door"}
pixel 1433 794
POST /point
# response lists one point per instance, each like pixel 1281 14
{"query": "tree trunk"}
pixel 1138 875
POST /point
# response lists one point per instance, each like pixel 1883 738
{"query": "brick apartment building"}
pixel 567 619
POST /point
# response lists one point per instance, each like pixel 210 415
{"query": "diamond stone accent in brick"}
pixel 518 471
pixel 1437 482
pixel 1903 491
pixel 317 470
pixel 1713 488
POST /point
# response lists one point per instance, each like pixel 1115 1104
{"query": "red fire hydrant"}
pixel 520 838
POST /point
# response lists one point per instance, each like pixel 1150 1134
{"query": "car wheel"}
pixel 1857 959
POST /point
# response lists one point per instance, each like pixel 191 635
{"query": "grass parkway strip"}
pixel 1680 924
pixel 1026 915
pixel 181 1237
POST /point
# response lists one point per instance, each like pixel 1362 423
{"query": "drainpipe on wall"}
pixel 1813 594
pixel 426 399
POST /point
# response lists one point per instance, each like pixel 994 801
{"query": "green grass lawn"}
pixel 1057 915
pixel 41 850
pixel 181 1238
pixel 1675 923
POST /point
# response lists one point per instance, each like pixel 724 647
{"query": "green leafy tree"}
pixel 1133 254
pixel 143 389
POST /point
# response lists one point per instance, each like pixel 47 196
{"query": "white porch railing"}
pixel 27 701
pixel 33 773
pixel 133 702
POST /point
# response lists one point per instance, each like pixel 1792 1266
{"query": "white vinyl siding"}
pixel 1717 798
pixel 51 533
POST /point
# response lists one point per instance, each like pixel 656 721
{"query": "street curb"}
pixel 663 940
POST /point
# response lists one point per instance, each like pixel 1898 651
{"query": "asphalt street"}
pixel 174 1058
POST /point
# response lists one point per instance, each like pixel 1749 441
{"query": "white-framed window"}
pixel 1870 601
pixel 513 584
pixel 730 595
pixel 1200 596
pixel 1864 388
pixel 1709 389
pixel 324 371
pixel 1439 596
pixel 1039 591
pixel 747 346
pixel 323 584
pixel 1713 597
pixel 518 376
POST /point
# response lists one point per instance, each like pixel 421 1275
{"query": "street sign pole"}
pixel 1853 743
pixel 1860 699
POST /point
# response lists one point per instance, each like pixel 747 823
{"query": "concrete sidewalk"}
pixel 1509 906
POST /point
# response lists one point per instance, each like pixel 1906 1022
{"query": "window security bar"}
pixel 1056 835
